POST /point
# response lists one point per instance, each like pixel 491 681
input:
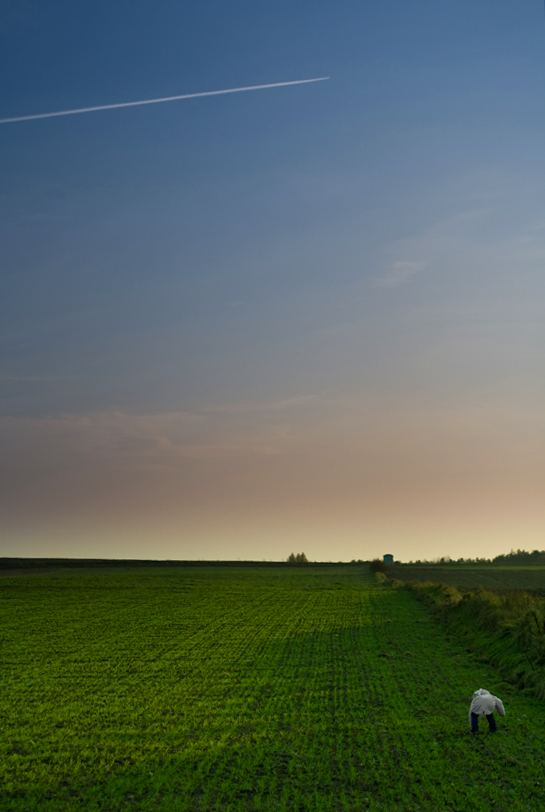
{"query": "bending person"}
pixel 484 703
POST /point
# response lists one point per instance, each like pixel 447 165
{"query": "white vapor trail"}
pixel 158 101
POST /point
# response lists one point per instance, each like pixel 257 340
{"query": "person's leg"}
pixel 474 723
pixel 491 722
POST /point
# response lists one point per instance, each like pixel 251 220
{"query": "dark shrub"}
pixel 377 565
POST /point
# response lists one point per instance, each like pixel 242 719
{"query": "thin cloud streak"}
pixel 400 272
pixel 159 101
pixel 38 378
pixel 259 407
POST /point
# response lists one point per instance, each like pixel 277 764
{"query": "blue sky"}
pixel 303 317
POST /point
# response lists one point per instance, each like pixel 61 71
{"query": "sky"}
pixel 299 319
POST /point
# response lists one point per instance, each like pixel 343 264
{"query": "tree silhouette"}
pixel 299 558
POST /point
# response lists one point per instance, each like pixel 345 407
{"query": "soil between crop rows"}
pixel 204 689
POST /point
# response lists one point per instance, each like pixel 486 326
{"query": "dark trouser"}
pixel 475 722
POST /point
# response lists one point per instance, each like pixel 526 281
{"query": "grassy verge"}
pixel 506 627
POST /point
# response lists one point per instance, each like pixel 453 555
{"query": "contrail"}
pixel 158 101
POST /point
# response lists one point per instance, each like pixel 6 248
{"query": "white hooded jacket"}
pixel 485 702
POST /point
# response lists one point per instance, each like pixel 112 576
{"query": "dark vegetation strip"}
pixel 471 576
pixel 31 565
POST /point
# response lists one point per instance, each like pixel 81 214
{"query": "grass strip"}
pixel 506 627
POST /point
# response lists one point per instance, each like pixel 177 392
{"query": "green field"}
pixel 486 576
pixel 248 689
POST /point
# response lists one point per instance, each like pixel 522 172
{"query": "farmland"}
pixel 215 688
pixel 467 577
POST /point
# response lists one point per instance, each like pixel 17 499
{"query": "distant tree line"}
pixel 535 558
pixel 515 558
